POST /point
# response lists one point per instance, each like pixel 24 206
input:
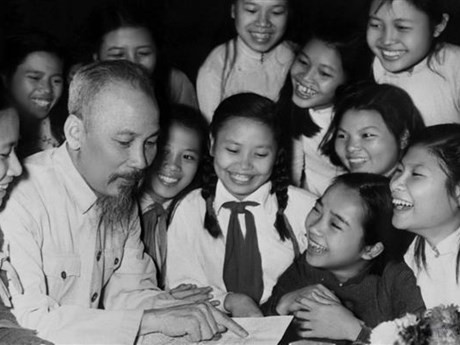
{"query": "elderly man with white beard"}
pixel 73 227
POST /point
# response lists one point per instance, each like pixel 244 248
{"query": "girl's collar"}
pixel 223 195
pixel 420 66
pixel 261 57
pixel 448 245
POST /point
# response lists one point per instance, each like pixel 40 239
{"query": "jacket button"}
pixel 98 255
pixel 63 275
pixel 94 297
pixel 116 261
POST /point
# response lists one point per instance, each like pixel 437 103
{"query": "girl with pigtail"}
pixel 245 226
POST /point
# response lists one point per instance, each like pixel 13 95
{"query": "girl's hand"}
pixel 192 293
pixel 240 305
pixel 333 321
pixel 289 303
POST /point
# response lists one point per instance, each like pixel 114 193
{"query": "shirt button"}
pixel 94 297
pixel 116 261
pixel 98 255
pixel 63 275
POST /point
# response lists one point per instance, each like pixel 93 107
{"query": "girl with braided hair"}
pixel 244 227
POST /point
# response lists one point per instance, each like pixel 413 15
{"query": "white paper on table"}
pixel 262 331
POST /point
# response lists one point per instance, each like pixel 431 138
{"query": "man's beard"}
pixel 117 211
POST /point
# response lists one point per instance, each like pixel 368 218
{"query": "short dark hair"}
pixel 19 45
pixel 394 105
pixel 375 194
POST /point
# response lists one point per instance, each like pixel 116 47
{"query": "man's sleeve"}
pixel 34 309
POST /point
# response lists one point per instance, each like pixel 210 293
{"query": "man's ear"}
pixel 371 252
pixel 211 145
pixel 404 141
pixel 438 29
pixel 74 130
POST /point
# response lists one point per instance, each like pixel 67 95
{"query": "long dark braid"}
pixel 208 192
pixel 280 184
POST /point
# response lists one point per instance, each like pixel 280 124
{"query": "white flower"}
pixel 387 333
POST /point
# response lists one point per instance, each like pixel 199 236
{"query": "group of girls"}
pixel 319 191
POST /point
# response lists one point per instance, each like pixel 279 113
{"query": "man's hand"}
pixel 196 322
pixel 192 293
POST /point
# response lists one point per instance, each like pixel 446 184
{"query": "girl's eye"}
pixel 115 56
pixel 124 143
pixel 261 155
pixel 189 157
pixel 58 81
pixel 145 53
pixel 374 25
pixel 340 135
pixel 151 143
pixel 231 150
pixel 279 12
pixel 368 135
pixel 402 28
pixel 303 61
pixel 325 74
pixel 34 77
pixel 250 10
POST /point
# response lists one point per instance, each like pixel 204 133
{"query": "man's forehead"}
pixel 122 103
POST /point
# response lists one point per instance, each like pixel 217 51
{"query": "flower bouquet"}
pixel 436 326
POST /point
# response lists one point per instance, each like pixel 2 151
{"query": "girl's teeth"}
pixel 401 204
pixel 306 91
pixel 241 178
pixel 392 54
pixel 167 179
pixel 259 37
pixel 316 247
pixel 41 103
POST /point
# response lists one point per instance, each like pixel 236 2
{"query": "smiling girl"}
pixel 10 168
pixel 344 283
pixel 371 128
pixel 240 231
pixel 406 38
pixel 174 172
pixel 256 60
pixel 33 70
pixel 122 31
pixel 327 60
pixel 426 199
